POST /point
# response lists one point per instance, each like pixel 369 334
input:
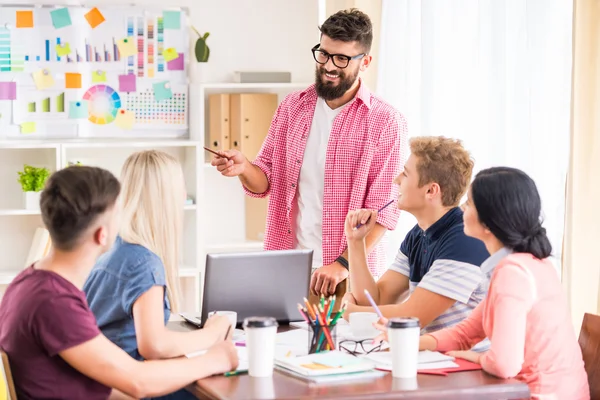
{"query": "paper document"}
pixel 427 360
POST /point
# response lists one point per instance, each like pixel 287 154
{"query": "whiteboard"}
pixel 94 52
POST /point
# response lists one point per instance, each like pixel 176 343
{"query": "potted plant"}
pixel 202 53
pixel 32 182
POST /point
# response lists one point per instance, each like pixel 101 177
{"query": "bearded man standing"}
pixel 331 148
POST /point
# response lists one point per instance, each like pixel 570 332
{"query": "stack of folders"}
pixel 328 367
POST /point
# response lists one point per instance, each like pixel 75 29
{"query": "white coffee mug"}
pixel 261 334
pixel 361 325
pixel 231 315
pixel 403 336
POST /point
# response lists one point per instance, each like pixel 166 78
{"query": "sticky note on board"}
pixel 162 91
pixel 28 127
pixel 60 18
pixel 98 76
pixel 176 64
pixel 172 19
pixel 72 80
pixel 63 49
pixel 8 90
pixel 127 83
pixel 94 17
pixel 78 109
pixel 125 119
pixel 170 54
pixel 127 47
pixel 43 79
pixel 24 19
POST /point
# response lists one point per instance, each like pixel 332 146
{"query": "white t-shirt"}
pixel 309 217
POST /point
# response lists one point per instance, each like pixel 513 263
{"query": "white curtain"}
pixel 494 73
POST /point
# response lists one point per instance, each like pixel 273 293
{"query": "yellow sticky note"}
pixel 63 49
pixel 72 80
pixel 28 127
pixel 24 19
pixel 99 76
pixel 43 79
pixel 127 47
pixel 125 119
pixel 170 54
pixel 94 17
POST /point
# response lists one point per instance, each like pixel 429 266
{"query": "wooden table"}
pixel 461 385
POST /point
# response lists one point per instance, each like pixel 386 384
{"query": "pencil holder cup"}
pixel 321 338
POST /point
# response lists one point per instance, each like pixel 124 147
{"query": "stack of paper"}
pixel 327 367
pixel 427 360
pixel 242 356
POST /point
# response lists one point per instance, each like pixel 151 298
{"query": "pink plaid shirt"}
pixel 366 150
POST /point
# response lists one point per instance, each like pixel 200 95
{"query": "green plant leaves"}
pixel 33 179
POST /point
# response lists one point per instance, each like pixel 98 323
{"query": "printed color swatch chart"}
pixel 147 110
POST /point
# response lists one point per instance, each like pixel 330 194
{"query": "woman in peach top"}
pixel 525 314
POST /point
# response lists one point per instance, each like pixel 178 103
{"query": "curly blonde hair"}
pixel 443 161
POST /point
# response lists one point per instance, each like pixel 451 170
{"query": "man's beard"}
pixel 329 90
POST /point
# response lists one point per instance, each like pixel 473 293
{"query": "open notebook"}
pixel 427 360
pixel 325 363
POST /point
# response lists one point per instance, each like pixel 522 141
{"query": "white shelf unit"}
pixel 214 224
pixel 222 205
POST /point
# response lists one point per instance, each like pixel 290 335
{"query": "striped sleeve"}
pixel 400 264
pixel 454 279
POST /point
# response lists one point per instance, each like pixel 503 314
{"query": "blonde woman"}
pixel 133 288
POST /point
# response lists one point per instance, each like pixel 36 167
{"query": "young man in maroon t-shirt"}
pixel 54 346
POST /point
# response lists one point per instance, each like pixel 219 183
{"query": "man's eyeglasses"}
pixel 364 346
pixel 339 60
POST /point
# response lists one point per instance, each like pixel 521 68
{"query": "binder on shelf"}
pixel 219 127
pixel 40 246
pixel 251 116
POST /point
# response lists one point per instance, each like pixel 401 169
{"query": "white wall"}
pixel 247 35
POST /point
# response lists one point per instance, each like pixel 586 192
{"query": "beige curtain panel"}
pixel 581 260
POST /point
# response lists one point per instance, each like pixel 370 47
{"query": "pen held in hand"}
pixel 215 153
pixel 380 210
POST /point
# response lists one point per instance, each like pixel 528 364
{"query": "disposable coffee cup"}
pixel 261 335
pixel 403 336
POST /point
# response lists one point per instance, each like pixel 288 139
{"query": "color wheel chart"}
pixel 104 102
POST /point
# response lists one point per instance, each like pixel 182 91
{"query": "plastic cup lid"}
pixel 405 322
pixel 260 322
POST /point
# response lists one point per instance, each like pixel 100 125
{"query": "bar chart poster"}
pixel 80 46
pixel 33 105
pixel 100 52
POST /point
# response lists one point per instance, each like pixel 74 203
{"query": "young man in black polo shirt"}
pixel 437 264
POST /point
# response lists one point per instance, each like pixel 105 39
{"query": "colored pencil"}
pixel 380 210
pixel 377 310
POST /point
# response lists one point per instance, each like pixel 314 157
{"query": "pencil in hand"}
pixel 380 210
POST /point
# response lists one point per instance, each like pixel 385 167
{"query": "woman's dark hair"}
pixel 508 204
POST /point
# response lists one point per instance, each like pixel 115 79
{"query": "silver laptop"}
pixel 266 283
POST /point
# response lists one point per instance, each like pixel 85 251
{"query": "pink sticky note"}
pixel 8 90
pixel 176 64
pixel 127 83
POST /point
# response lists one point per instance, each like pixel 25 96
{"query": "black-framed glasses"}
pixel 339 60
pixel 359 347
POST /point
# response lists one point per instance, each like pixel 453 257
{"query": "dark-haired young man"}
pixel 54 346
pixel 331 148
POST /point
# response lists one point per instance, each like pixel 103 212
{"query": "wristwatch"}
pixel 344 262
